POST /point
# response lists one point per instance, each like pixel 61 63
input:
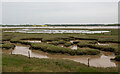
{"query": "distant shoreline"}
pixel 71 27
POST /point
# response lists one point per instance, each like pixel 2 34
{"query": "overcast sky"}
pixel 60 0
pixel 0 12
pixel 60 12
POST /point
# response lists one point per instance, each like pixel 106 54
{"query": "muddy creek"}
pixel 101 60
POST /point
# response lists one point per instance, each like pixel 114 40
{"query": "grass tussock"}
pixel 56 49
pixel 100 47
pixel 7 45
pixel 67 44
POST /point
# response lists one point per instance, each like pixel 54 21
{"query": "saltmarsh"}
pixel 56 39
pixel 18 63
pixel 56 49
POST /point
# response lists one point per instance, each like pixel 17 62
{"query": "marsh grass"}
pixel 117 58
pixel 56 39
pixel 7 45
pixel 67 44
pixel 57 49
pixel 18 63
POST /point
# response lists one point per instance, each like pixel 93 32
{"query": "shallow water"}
pixel 32 41
pixel 97 61
pixel 107 44
pixel 74 47
pixel 71 27
pixel 55 31
pixel 61 45
pixel 102 60
pixel 23 50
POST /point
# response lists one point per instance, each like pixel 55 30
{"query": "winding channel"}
pixel 101 60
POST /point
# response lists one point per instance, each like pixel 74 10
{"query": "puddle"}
pixel 71 41
pixel 74 47
pixel 97 61
pixel 55 31
pixel 107 44
pixel 77 40
pixel 102 60
pixel 102 44
pixel 23 50
pixel 33 41
pixel 61 45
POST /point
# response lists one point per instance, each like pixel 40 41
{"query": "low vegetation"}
pixel 57 49
pixel 106 37
pixel 54 43
pixel 8 45
pixel 67 44
pixel 87 51
pixel 117 58
pixel 11 64
pixel 61 41
pixel 87 40
pixel 109 48
pixel 103 48
pixel 17 63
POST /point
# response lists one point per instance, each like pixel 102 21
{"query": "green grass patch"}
pixel 8 46
pixel 67 44
pixel 17 63
pixel 109 48
pixel 87 51
pixel 57 49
